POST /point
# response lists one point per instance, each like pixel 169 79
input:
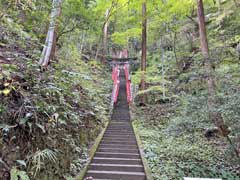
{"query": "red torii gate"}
pixel 120 54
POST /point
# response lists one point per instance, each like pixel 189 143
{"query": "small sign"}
pixel 186 178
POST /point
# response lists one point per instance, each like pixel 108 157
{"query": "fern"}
pixel 40 157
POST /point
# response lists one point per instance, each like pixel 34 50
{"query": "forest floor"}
pixel 176 146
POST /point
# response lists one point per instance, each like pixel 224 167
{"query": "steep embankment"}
pixel 47 118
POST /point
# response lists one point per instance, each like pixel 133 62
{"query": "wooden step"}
pixel 118 150
pixel 120 130
pixel 118 155
pixel 126 142
pixel 116 175
pixel 113 122
pixel 116 138
pixel 105 160
pixel 116 167
pixel 118 146
pixel 119 133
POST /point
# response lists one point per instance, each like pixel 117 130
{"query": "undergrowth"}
pixel 175 147
pixel 174 124
pixel 48 118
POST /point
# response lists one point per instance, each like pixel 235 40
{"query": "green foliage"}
pixel 122 38
pixel 17 174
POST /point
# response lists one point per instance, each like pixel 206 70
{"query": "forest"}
pixel 57 65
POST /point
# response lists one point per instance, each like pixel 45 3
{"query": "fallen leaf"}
pixel 6 91
pixel 6 84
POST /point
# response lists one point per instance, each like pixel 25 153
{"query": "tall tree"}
pixel 105 35
pixel 144 48
pixel 214 115
pixel 103 40
pixel 50 43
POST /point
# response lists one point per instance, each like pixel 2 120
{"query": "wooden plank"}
pixel 187 178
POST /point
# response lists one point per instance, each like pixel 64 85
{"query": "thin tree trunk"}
pixel 49 43
pixel 54 48
pixel 236 3
pixel 163 76
pixel 98 48
pixel 82 42
pixel 214 115
pixel 174 46
pixel 105 35
pixel 55 36
pixel 105 30
pixel 144 50
pixel 219 7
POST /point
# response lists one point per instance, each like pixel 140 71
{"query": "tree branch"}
pixel 65 32
pixel 193 20
pixel 4 164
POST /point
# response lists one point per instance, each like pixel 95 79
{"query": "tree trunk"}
pixel 82 42
pixel 105 35
pixel 55 36
pixel 174 46
pixel 98 48
pixel 236 3
pixel 214 115
pixel 219 6
pixel 163 76
pixel 50 42
pixel 144 50
pixel 105 32
pixel 54 48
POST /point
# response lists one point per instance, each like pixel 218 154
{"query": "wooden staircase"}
pixel 118 156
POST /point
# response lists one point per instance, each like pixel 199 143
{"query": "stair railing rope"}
pixel 128 83
pixel 116 83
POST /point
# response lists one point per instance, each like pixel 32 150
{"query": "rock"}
pixel 211 132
